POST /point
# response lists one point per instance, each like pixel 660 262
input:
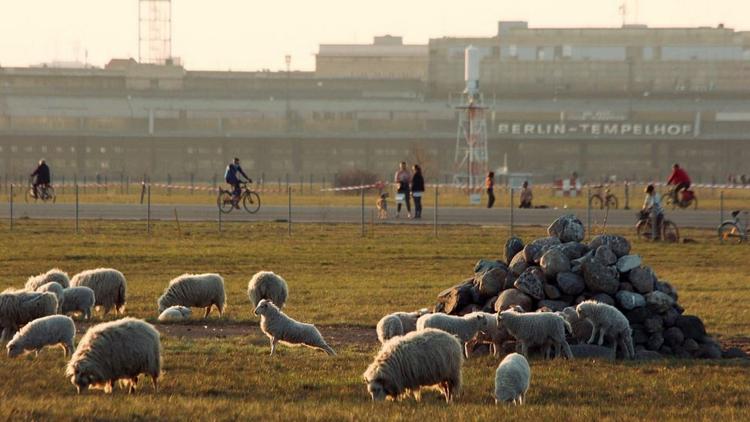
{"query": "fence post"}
pixel 435 214
pixel 511 211
pixel 627 196
pixel 219 219
pixel 287 181
pixel 77 210
pixel 84 184
pixel 311 182
pixel 721 207
pixel 11 207
pixel 148 209
pixel 192 183
pixel 362 195
pixel 169 184
pixel 63 185
pixel 654 229
pixel 588 211
pixel 289 193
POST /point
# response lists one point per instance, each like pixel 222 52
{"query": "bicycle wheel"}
pixel 27 197
pixel 695 203
pixel 596 202
pixel 224 201
pixel 251 202
pixel 730 233
pixel 49 195
pixel 670 232
pixel 643 229
pixel 612 202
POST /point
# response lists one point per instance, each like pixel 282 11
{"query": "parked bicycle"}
pixel 250 200
pixel 644 228
pixel 687 199
pixel 733 230
pixel 45 193
pixel 602 197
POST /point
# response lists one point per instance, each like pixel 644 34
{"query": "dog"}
pixel 382 205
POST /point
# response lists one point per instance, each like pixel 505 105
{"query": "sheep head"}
pixel 14 350
pixel 264 306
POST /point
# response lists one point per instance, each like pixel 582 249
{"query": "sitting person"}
pixel 526 196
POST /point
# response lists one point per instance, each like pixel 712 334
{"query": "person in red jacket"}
pixel 680 179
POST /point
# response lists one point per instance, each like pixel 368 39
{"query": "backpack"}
pixel 229 174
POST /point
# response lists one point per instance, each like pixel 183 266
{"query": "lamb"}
pixel 424 358
pixel 267 285
pixel 109 286
pixel 19 307
pixel 608 320
pixel 495 335
pixel 175 314
pixel 46 331
pixel 280 328
pixel 119 350
pixel 57 289
pixel 78 299
pixel 464 327
pixel 512 379
pixel 195 290
pixel 58 276
pixel 398 324
pixel 537 329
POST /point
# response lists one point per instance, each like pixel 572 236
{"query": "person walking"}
pixel 402 178
pixel 526 195
pixel 489 183
pixel 417 190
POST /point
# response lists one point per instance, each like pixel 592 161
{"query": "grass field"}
pixel 220 368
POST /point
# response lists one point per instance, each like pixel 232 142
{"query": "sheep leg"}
pixel 524 349
pixel 558 349
pixel 108 387
pixel 273 345
pixel 566 350
pixel 602 333
pixel 87 314
pixel 593 334
pixel 208 311
pixel 133 383
pixel 493 349
pixel 467 350
pixel 155 381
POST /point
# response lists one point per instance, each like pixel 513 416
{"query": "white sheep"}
pixel 424 358
pixel 79 299
pixel 409 319
pixel 58 276
pixel 175 314
pixel 464 327
pixel 608 320
pixel 57 289
pixel 46 331
pixel 495 335
pixel 281 328
pixel 537 329
pixel 267 285
pixel 512 379
pixel 113 351
pixel 195 290
pixel 109 286
pixel 19 307
pixel 398 324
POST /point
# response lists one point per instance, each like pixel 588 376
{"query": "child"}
pixel 382 204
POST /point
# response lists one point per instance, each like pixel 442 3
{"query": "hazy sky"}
pixel 251 34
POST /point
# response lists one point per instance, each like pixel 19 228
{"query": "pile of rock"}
pixel 560 271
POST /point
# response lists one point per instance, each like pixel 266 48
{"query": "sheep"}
pixel 78 299
pixel 280 328
pixel 19 307
pixel 195 290
pixel 109 286
pixel 495 335
pixel 537 329
pixel 46 331
pixel 175 314
pixel 267 285
pixel 608 320
pixel 118 350
pixel 398 324
pixel 57 289
pixel 464 327
pixel 58 276
pixel 424 358
pixel 512 379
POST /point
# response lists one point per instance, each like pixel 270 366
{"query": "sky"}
pixel 254 35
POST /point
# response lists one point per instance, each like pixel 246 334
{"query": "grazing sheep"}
pixel 57 289
pixel 398 324
pixel 495 335
pixel 409 319
pixel 280 328
pixel 267 285
pixel 423 358
pixel 512 379
pixel 537 329
pixel 608 320
pixel 46 331
pixel 78 299
pixel 175 314
pixel 109 286
pixel 113 351
pixel 195 290
pixel 464 327
pixel 58 276
pixel 19 307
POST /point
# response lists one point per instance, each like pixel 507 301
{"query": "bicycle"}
pixel 249 198
pixel 644 228
pixel 603 197
pixel 733 229
pixel 687 199
pixel 44 193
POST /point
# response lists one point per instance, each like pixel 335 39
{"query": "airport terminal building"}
pixel 599 101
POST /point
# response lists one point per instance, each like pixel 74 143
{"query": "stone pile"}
pixel 560 271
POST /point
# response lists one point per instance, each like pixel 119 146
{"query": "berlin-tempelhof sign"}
pixel 597 129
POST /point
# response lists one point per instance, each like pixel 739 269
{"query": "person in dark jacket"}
pixel 417 190
pixel 489 183
pixel 41 177
pixel 231 177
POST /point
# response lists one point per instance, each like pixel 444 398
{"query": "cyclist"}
pixel 681 181
pixel 42 177
pixel 231 177
pixel 652 206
